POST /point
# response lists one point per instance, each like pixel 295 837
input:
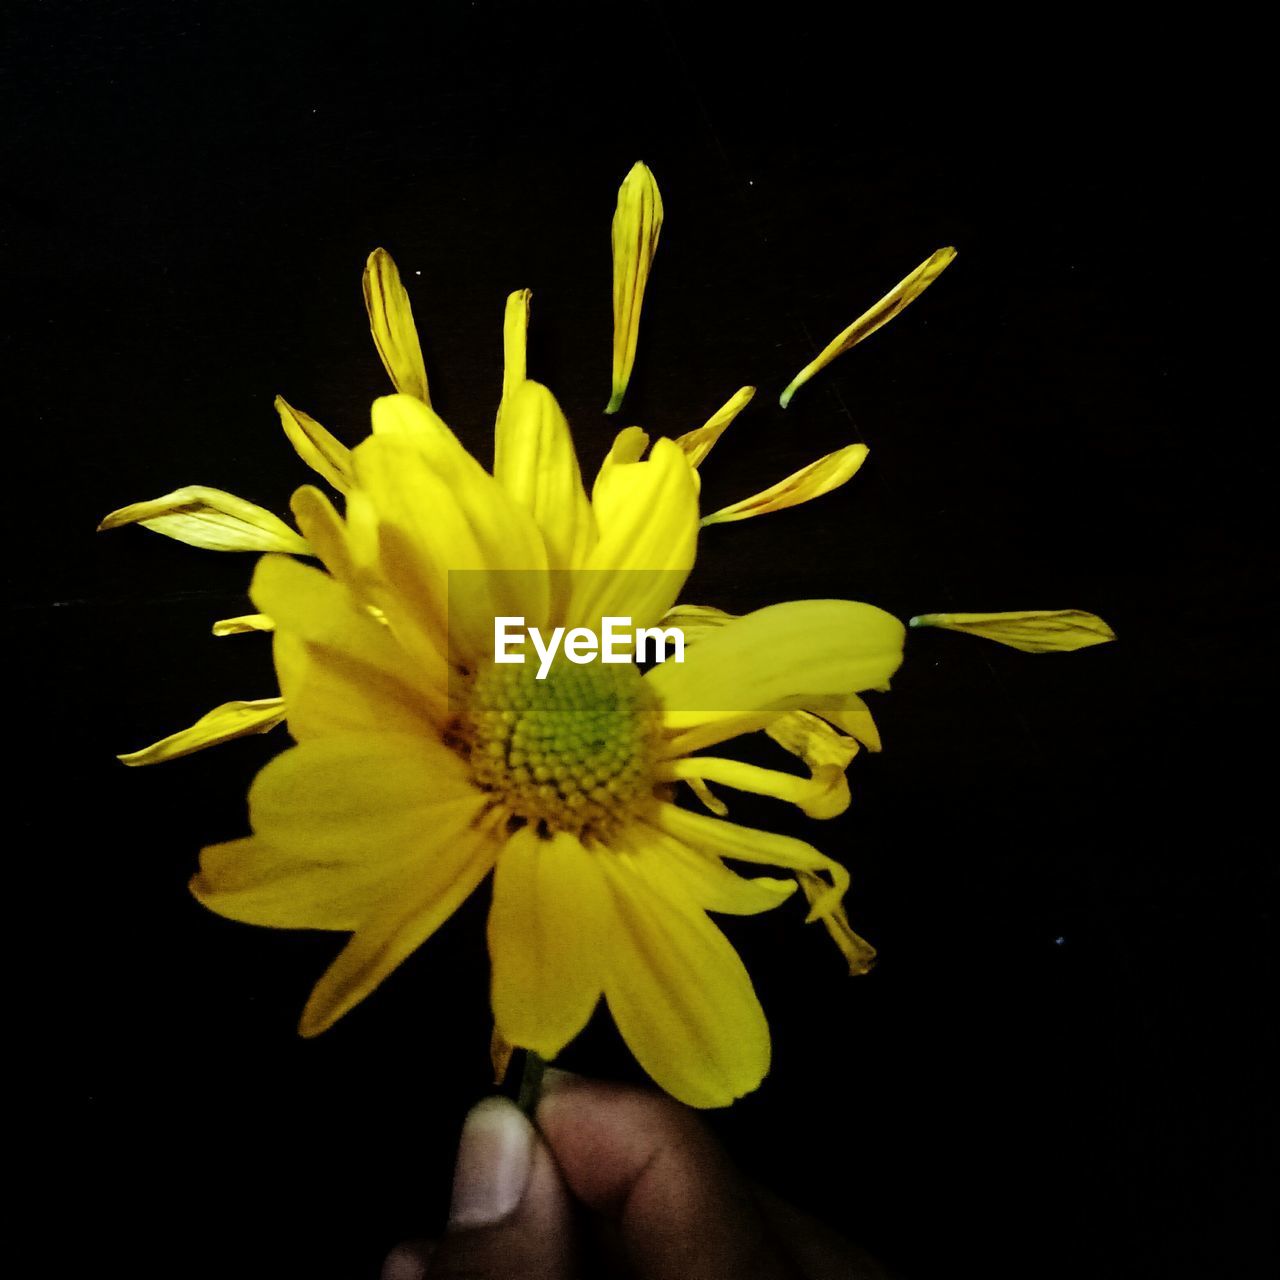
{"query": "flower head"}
pixel 422 763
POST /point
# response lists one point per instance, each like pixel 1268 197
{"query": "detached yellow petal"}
pixel 211 519
pixel 636 226
pixel 534 461
pixel 391 320
pixel 899 297
pixel 242 625
pixel 810 482
pixel 1033 631
pixel 697 444
pixel 321 451
pixel 222 724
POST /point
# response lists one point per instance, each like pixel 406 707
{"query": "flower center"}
pixel 571 752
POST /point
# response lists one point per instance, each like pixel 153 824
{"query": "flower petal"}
pixel 746 844
pixel 647 514
pixel 779 658
pixel 212 519
pixel 321 451
pixel 391 320
pixel 548 933
pixel 401 926
pixel 679 993
pixel 535 463
pixel 515 340
pixel 824 475
pixel 450 543
pixel 700 876
pixel 857 951
pixel 244 624
pixel 899 297
pixel 823 795
pixel 1032 631
pixel 340 669
pixel 628 446
pixel 637 224
pixel 222 724
pixel 697 444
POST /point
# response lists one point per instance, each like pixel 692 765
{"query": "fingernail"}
pixel 494 1158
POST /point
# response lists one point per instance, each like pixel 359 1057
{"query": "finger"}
pixel 408 1261
pixel 682 1210
pixel 509 1216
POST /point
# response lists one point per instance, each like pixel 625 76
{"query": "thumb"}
pixel 509 1216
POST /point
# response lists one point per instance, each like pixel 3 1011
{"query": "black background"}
pixel 1057 1067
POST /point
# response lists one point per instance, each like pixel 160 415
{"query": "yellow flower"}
pixel 422 765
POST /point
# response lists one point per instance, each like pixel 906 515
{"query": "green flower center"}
pixel 571 752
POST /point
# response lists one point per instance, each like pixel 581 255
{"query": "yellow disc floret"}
pixel 571 752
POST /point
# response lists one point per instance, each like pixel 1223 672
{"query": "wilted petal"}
pixel 391 320
pixel 823 795
pixel 636 226
pixel 857 951
pixel 222 724
pixel 1032 631
pixel 211 519
pixel 900 296
pixel 810 482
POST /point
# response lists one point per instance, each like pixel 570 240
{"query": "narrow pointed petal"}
pixel 637 224
pixel 850 713
pixel 325 532
pixel 679 993
pixel 535 462
pixel 549 929
pixel 515 341
pixel 1032 631
pixel 321 451
pixel 810 482
pixel 211 519
pixel 899 297
pixel 697 444
pixel 222 724
pixel 244 624
pixel 391 320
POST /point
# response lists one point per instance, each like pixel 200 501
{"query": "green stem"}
pixel 530 1083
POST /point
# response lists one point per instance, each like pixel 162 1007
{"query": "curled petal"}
pixel 899 297
pixel 242 625
pixel 628 446
pixel 857 951
pixel 222 724
pixel 1032 631
pixel 321 451
pixel 391 320
pixel 823 795
pixel 515 339
pixel 810 482
pixel 636 226
pixel 212 519
pixel 697 444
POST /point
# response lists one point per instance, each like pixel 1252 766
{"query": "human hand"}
pixel 614 1182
